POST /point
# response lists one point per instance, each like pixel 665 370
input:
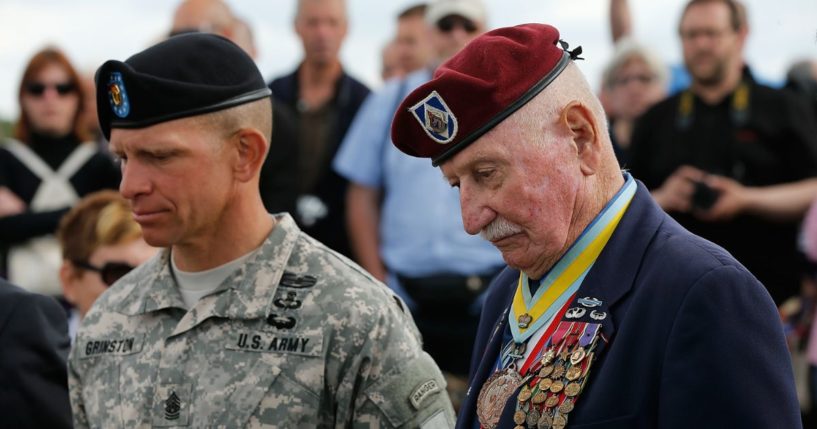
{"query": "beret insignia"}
pixel 118 95
pixel 436 118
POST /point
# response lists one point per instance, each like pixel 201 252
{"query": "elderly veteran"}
pixel 243 320
pixel 609 313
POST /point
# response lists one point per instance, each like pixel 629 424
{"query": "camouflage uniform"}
pixel 297 337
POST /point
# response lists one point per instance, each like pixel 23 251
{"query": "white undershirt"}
pixel 195 285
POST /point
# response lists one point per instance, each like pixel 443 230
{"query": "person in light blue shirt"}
pixel 404 219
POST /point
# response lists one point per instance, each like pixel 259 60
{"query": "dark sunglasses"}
pixel 38 89
pixel 449 22
pixel 110 272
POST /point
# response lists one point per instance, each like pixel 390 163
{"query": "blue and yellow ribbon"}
pixel 567 275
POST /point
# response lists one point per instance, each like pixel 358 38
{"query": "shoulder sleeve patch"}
pixel 411 392
pixel 422 391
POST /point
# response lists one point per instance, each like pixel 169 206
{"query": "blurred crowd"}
pixel 730 159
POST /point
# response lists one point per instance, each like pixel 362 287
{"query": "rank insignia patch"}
pixel 118 96
pixel 436 118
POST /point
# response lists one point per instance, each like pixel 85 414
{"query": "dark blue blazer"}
pixel 33 370
pixel 694 339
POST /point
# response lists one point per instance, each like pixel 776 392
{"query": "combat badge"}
pixel 294 281
pixel 280 321
pixel 589 301
pixel 289 302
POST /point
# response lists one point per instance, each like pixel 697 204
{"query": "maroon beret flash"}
pixel 488 80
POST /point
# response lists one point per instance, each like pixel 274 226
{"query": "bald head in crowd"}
pixel 321 25
pixel 207 16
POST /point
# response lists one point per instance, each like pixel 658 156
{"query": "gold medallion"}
pixel 559 422
pixel 519 427
pixel 573 373
pixel 573 389
pixel 519 417
pixel 544 384
pixel 538 398
pixel 577 356
pixel 524 321
pixel 567 406
pixel 494 394
pixel 552 401
pixel 545 371
pixel 545 421
pixel 558 372
pixel 557 386
pixel 524 394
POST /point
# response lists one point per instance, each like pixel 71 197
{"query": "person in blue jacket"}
pixel 609 314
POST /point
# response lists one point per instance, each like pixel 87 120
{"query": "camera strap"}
pixel 738 108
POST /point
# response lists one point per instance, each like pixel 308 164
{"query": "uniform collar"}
pixel 245 294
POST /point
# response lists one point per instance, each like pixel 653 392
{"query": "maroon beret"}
pixel 488 80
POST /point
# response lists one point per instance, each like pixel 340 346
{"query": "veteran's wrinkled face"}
pixel 177 176
pixel 519 189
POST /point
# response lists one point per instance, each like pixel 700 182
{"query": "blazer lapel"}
pixel 614 272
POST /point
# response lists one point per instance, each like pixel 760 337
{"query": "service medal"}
pixel 573 389
pixel 533 417
pixel 573 373
pixel 567 406
pixel 524 394
pixel 559 422
pixel 519 417
pixel 545 421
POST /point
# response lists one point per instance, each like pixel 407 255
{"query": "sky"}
pixel 93 31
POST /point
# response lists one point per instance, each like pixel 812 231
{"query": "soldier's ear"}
pixel 251 147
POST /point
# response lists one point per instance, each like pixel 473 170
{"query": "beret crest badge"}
pixel 118 96
pixel 436 118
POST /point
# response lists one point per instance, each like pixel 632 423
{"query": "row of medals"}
pixel 553 385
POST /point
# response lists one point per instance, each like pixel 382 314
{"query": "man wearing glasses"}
pixel 731 160
pixel 422 254
pixel 243 320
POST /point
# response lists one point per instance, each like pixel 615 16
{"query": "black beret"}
pixel 185 75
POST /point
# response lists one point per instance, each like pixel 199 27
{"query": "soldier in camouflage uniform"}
pixel 295 336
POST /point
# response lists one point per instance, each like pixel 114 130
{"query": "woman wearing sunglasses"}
pixel 100 244
pixel 44 170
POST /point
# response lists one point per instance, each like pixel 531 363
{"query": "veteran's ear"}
pixel 585 134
